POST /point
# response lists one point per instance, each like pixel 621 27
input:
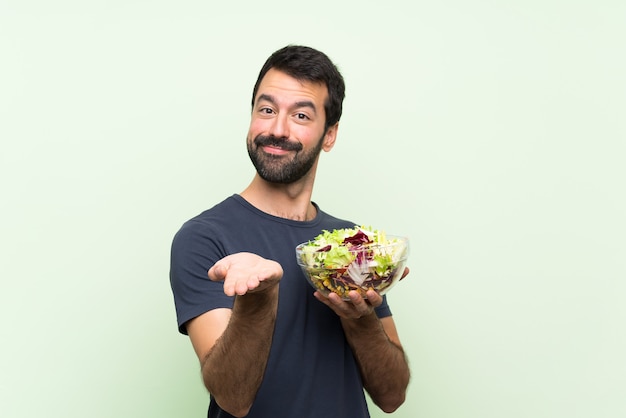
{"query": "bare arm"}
pixel 383 364
pixel 376 347
pixel 233 346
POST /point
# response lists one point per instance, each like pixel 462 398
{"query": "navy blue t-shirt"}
pixel 311 371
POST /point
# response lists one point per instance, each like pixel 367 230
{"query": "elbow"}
pixel 229 400
pixel 234 405
pixel 235 409
pixel 391 403
pixel 389 399
pixel 239 413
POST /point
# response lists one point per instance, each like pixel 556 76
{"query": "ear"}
pixel 330 137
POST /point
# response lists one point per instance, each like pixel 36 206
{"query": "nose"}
pixel 280 127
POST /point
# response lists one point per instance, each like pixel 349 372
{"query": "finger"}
pixel 253 282
pixel 318 295
pixel 355 298
pixel 274 270
pixel 335 299
pixel 332 300
pixel 405 273
pixel 218 271
pixel 229 289
pixel 373 298
pixel 361 305
pixel 241 287
pixel 341 307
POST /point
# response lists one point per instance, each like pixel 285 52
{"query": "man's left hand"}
pixel 357 306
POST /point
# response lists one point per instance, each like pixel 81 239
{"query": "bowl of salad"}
pixel 358 258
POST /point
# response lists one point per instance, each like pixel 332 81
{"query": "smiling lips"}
pixel 275 150
pixel 277 146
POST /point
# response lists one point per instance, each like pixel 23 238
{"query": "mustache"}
pixel 273 141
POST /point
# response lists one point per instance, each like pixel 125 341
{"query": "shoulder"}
pixel 328 221
pixel 209 220
pixel 198 237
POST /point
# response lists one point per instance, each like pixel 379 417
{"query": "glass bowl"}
pixel 363 267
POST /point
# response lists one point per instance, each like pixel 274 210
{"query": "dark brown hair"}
pixel 307 64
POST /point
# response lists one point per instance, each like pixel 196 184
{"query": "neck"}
pixel 289 201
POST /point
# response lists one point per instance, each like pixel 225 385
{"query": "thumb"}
pixel 404 273
pixel 218 271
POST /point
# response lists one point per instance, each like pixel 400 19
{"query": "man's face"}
pixel 286 133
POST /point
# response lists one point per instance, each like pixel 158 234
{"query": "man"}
pixel 268 345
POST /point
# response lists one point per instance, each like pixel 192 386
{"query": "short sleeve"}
pixel 383 310
pixel 194 250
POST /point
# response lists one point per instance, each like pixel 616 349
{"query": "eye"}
pixel 266 110
pixel 301 116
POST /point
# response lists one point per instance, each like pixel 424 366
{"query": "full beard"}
pixel 282 169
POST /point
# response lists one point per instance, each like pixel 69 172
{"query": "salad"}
pixel 358 258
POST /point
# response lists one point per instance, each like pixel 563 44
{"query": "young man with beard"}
pixel 268 345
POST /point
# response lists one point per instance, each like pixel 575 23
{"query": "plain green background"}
pixel 491 133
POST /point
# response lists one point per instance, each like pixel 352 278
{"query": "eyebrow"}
pixel 303 103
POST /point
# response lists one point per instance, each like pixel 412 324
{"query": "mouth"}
pixel 275 150
pixel 276 146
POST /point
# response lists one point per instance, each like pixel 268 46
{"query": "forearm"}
pixel 383 364
pixel 234 368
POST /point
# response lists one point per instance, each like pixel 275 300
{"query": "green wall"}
pixel 491 133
